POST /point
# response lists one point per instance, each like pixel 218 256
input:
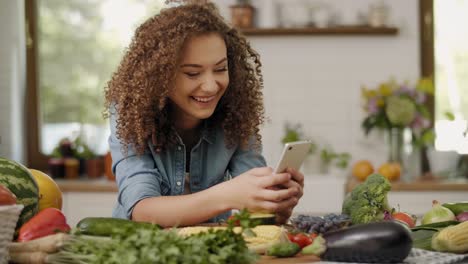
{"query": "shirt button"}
pixel 179 148
pixel 178 183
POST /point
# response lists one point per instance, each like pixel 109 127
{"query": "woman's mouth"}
pixel 203 99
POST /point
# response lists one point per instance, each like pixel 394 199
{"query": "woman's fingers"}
pixel 261 171
pixel 296 176
pixel 273 206
pixel 294 185
pixel 274 179
pixel 277 195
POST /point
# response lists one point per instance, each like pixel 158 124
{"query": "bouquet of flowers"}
pixel 394 105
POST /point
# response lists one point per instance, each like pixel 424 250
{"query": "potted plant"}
pixel 331 159
pixel 242 14
pixel 91 164
pixel 56 164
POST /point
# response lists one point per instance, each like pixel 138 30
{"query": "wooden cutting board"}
pixel 297 259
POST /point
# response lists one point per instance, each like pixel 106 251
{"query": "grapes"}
pixel 315 224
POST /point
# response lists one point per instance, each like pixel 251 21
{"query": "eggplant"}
pixel 380 242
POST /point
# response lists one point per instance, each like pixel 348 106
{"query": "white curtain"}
pixel 12 80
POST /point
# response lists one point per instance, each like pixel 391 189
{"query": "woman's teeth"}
pixel 203 99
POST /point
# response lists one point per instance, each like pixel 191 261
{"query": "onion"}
pixel 462 217
pixel 438 213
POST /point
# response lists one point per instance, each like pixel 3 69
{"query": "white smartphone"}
pixel 293 155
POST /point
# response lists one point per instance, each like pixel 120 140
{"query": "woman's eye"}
pixel 192 74
pixel 221 69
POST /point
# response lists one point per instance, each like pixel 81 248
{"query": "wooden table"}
pixel 297 259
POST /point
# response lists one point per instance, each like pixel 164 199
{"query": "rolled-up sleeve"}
pixel 245 159
pixel 137 175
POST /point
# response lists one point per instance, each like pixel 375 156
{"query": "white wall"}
pixel 314 80
pixel 12 79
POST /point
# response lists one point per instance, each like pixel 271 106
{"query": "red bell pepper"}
pixel 47 222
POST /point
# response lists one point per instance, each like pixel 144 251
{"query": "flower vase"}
pixel 395 145
pixel 401 151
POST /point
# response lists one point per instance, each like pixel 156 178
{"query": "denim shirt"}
pixel 162 173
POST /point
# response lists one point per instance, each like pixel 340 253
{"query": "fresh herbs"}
pixel 161 246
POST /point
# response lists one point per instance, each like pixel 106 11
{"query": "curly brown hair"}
pixel 139 88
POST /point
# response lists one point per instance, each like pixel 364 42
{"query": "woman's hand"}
pixel 254 190
pixel 297 182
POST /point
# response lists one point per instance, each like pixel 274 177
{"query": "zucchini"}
pixel 380 242
pixel 108 226
pixel 435 226
pixel 457 208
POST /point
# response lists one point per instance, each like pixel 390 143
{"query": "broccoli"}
pixel 368 201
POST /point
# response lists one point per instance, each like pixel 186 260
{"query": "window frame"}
pixel 36 159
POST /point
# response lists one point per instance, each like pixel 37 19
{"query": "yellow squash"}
pixel 49 192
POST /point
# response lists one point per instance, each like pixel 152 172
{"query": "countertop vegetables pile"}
pixel 442 231
pixel 368 201
pixel 109 240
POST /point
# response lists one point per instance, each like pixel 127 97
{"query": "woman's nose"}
pixel 209 83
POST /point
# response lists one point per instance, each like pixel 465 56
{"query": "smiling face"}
pixel 201 80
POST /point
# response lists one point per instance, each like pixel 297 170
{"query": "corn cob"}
pixel 266 235
pixel 452 239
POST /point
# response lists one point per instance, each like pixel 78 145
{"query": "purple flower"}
pixel 403 90
pixel 420 122
pixel 420 97
pixel 372 107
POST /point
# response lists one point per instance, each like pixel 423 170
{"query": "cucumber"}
pixel 108 226
pixel 283 250
pixel 264 218
pixel 457 208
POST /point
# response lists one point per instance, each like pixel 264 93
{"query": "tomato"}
pixel 313 236
pixel 6 196
pixel 405 218
pixel 302 239
pixel 232 218
pixel 291 237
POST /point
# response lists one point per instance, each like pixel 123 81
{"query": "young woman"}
pixel 185 106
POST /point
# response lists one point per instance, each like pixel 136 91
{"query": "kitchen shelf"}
pixel 87 185
pixel 335 31
pixel 460 185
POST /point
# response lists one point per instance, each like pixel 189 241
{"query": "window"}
pixel 444 46
pixel 451 73
pixel 74 47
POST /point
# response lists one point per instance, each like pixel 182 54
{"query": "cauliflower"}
pixel 368 201
pixel 400 110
